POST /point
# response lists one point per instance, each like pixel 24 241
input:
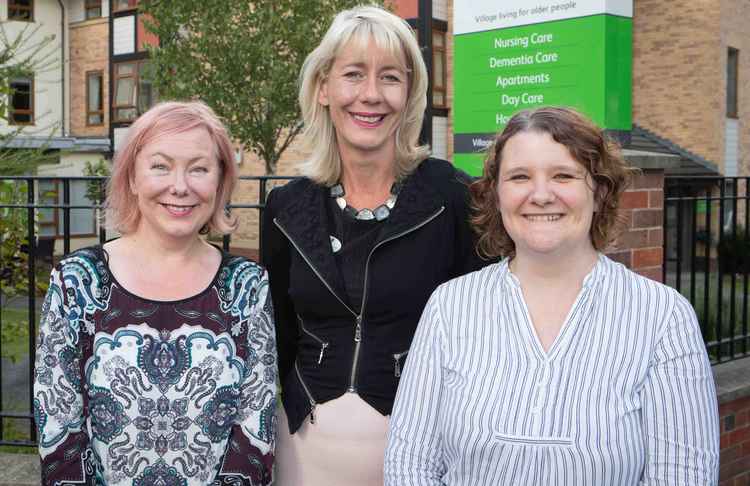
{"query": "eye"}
pixel 159 166
pixel 353 75
pixel 199 169
pixel 565 176
pixel 518 177
pixel 391 78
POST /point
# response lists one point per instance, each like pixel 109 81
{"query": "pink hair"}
pixel 166 119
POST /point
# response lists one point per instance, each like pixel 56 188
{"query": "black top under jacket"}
pixel 327 347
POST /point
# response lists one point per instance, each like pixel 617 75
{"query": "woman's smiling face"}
pixel 176 179
pixel 366 92
pixel 546 197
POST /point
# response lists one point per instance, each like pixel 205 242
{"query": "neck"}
pixel 156 247
pixel 367 178
pixel 554 269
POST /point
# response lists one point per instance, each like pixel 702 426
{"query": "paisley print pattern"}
pixel 154 393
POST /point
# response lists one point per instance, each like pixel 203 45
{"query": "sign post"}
pixel 516 54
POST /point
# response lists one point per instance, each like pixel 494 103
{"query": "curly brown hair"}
pixel 587 144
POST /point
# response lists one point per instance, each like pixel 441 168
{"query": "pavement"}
pixel 20 470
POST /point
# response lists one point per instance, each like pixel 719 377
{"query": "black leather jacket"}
pixel 325 347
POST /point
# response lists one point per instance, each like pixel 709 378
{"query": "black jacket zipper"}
pixel 357 317
pixel 323 344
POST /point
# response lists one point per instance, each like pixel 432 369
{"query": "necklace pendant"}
pixel 341 202
pixel 365 214
pixel 381 212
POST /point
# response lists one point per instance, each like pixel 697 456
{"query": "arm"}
pixel 275 257
pixel 64 445
pixel 680 415
pixel 414 455
pixel 248 460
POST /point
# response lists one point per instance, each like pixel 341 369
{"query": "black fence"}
pixel 707 257
pixel 706 253
pixel 42 218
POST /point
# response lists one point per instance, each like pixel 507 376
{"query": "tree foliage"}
pixel 242 58
pixel 22 54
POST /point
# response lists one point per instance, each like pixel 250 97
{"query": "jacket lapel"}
pixel 306 223
pixel 416 202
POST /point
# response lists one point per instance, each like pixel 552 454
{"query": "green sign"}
pixel 513 57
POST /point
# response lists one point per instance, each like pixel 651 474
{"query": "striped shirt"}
pixel 624 396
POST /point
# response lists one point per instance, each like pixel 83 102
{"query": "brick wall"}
pixel 678 73
pixel 639 246
pixel 734 25
pixel 89 50
pixel 735 443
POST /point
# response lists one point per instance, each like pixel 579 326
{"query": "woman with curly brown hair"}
pixel 556 365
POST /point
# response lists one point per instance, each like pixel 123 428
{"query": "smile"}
pixel 543 217
pixel 368 119
pixel 178 210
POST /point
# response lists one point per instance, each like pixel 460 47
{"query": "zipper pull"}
pixel 312 414
pixel 358 329
pixel 397 365
pixel 323 347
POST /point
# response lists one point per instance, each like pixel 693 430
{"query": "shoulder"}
pixel 473 291
pixel 241 267
pixel 443 175
pixel 653 300
pixel 283 194
pixel 89 259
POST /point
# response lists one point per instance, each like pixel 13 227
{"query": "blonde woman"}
pixel 355 248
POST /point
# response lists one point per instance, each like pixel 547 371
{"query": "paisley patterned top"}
pixel 130 391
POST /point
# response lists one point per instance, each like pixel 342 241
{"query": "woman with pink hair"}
pixel 156 357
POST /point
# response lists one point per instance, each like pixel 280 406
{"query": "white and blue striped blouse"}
pixel 624 396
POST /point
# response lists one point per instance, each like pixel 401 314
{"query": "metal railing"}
pixel 707 257
pixel 29 202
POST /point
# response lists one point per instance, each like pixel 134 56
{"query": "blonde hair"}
pixel 390 33
pixel 166 119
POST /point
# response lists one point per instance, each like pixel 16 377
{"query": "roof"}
pixel 77 144
pixel 689 163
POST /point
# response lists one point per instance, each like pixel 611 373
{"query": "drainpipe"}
pixel 62 64
pixel 425 39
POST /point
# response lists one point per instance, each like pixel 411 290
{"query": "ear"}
pixel 323 93
pixel 131 182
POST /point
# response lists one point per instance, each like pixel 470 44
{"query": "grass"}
pixel 708 311
pixel 15 334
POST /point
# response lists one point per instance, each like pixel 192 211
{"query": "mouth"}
pixel 179 209
pixel 368 119
pixel 543 218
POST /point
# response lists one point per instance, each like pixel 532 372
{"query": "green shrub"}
pixel 734 252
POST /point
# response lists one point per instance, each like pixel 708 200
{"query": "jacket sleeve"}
pixel 414 454
pixel 64 444
pixel 276 258
pixel 467 259
pixel 680 416
pixel 248 460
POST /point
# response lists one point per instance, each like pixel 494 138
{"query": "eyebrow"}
pixel 361 64
pixel 165 156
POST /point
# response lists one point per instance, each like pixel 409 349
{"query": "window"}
pixel 134 93
pixel 21 101
pixel 93 9
pixel 51 220
pixel 120 5
pixel 732 72
pixel 94 103
pixel 439 90
pixel 22 10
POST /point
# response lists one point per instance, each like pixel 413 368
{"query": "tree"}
pixel 242 57
pixel 20 55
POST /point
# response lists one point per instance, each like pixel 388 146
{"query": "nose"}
pixel 370 90
pixel 179 184
pixel 542 193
